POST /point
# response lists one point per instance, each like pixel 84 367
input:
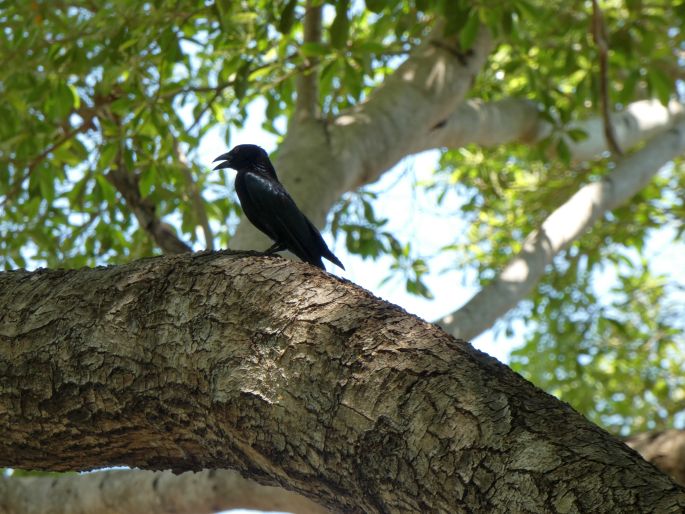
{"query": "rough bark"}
pixel 292 377
pixel 561 228
pixel 145 492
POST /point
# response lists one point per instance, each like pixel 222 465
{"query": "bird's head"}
pixel 245 157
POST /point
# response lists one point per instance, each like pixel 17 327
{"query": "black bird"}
pixel 270 208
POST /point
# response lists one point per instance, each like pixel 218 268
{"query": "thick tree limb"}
pixel 320 160
pixel 409 104
pixel 146 492
pixel 559 230
pixel 292 377
pixel 518 120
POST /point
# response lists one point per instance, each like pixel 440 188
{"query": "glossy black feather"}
pixel 270 208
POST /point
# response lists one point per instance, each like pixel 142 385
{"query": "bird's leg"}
pixel 276 247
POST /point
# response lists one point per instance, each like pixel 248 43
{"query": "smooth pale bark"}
pixel 516 120
pixel 292 377
pixel 665 449
pixel 145 492
pixel 320 160
pixel 561 228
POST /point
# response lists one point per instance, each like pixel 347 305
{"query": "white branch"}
pixel 518 120
pixel 320 160
pixel 484 123
pixel 146 492
pixel 639 122
pixel 559 230
pixel 378 133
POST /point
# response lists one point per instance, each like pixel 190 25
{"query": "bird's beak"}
pixel 227 158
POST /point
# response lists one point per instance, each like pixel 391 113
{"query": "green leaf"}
pixel 76 99
pixel 62 101
pixel 314 49
pixel 467 35
pixel 147 180
pixel 285 24
pixel 242 80
pixel 107 155
pixel 340 27
pixel 577 134
pixel 107 190
pixel 661 84
pixel 47 185
pixel 563 151
pixel 376 6
pixel 457 15
pixel 244 17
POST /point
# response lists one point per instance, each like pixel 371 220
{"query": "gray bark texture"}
pixel 294 378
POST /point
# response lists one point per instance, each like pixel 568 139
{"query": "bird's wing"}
pixel 280 218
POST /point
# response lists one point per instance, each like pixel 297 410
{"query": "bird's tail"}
pixel 329 255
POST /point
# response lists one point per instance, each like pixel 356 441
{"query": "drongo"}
pixel 271 209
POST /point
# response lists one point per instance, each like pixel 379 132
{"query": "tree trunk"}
pixel 296 378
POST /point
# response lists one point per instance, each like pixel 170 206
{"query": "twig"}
pixel 195 196
pixel 217 93
pixel 144 210
pixel 599 36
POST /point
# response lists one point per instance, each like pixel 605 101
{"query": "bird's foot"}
pixel 276 247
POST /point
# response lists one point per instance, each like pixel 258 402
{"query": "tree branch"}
pixel 319 161
pixel 411 102
pixel 518 120
pixel 162 234
pixel 307 102
pixel 290 376
pixel 599 36
pixel 146 492
pixel 195 196
pixel 559 230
